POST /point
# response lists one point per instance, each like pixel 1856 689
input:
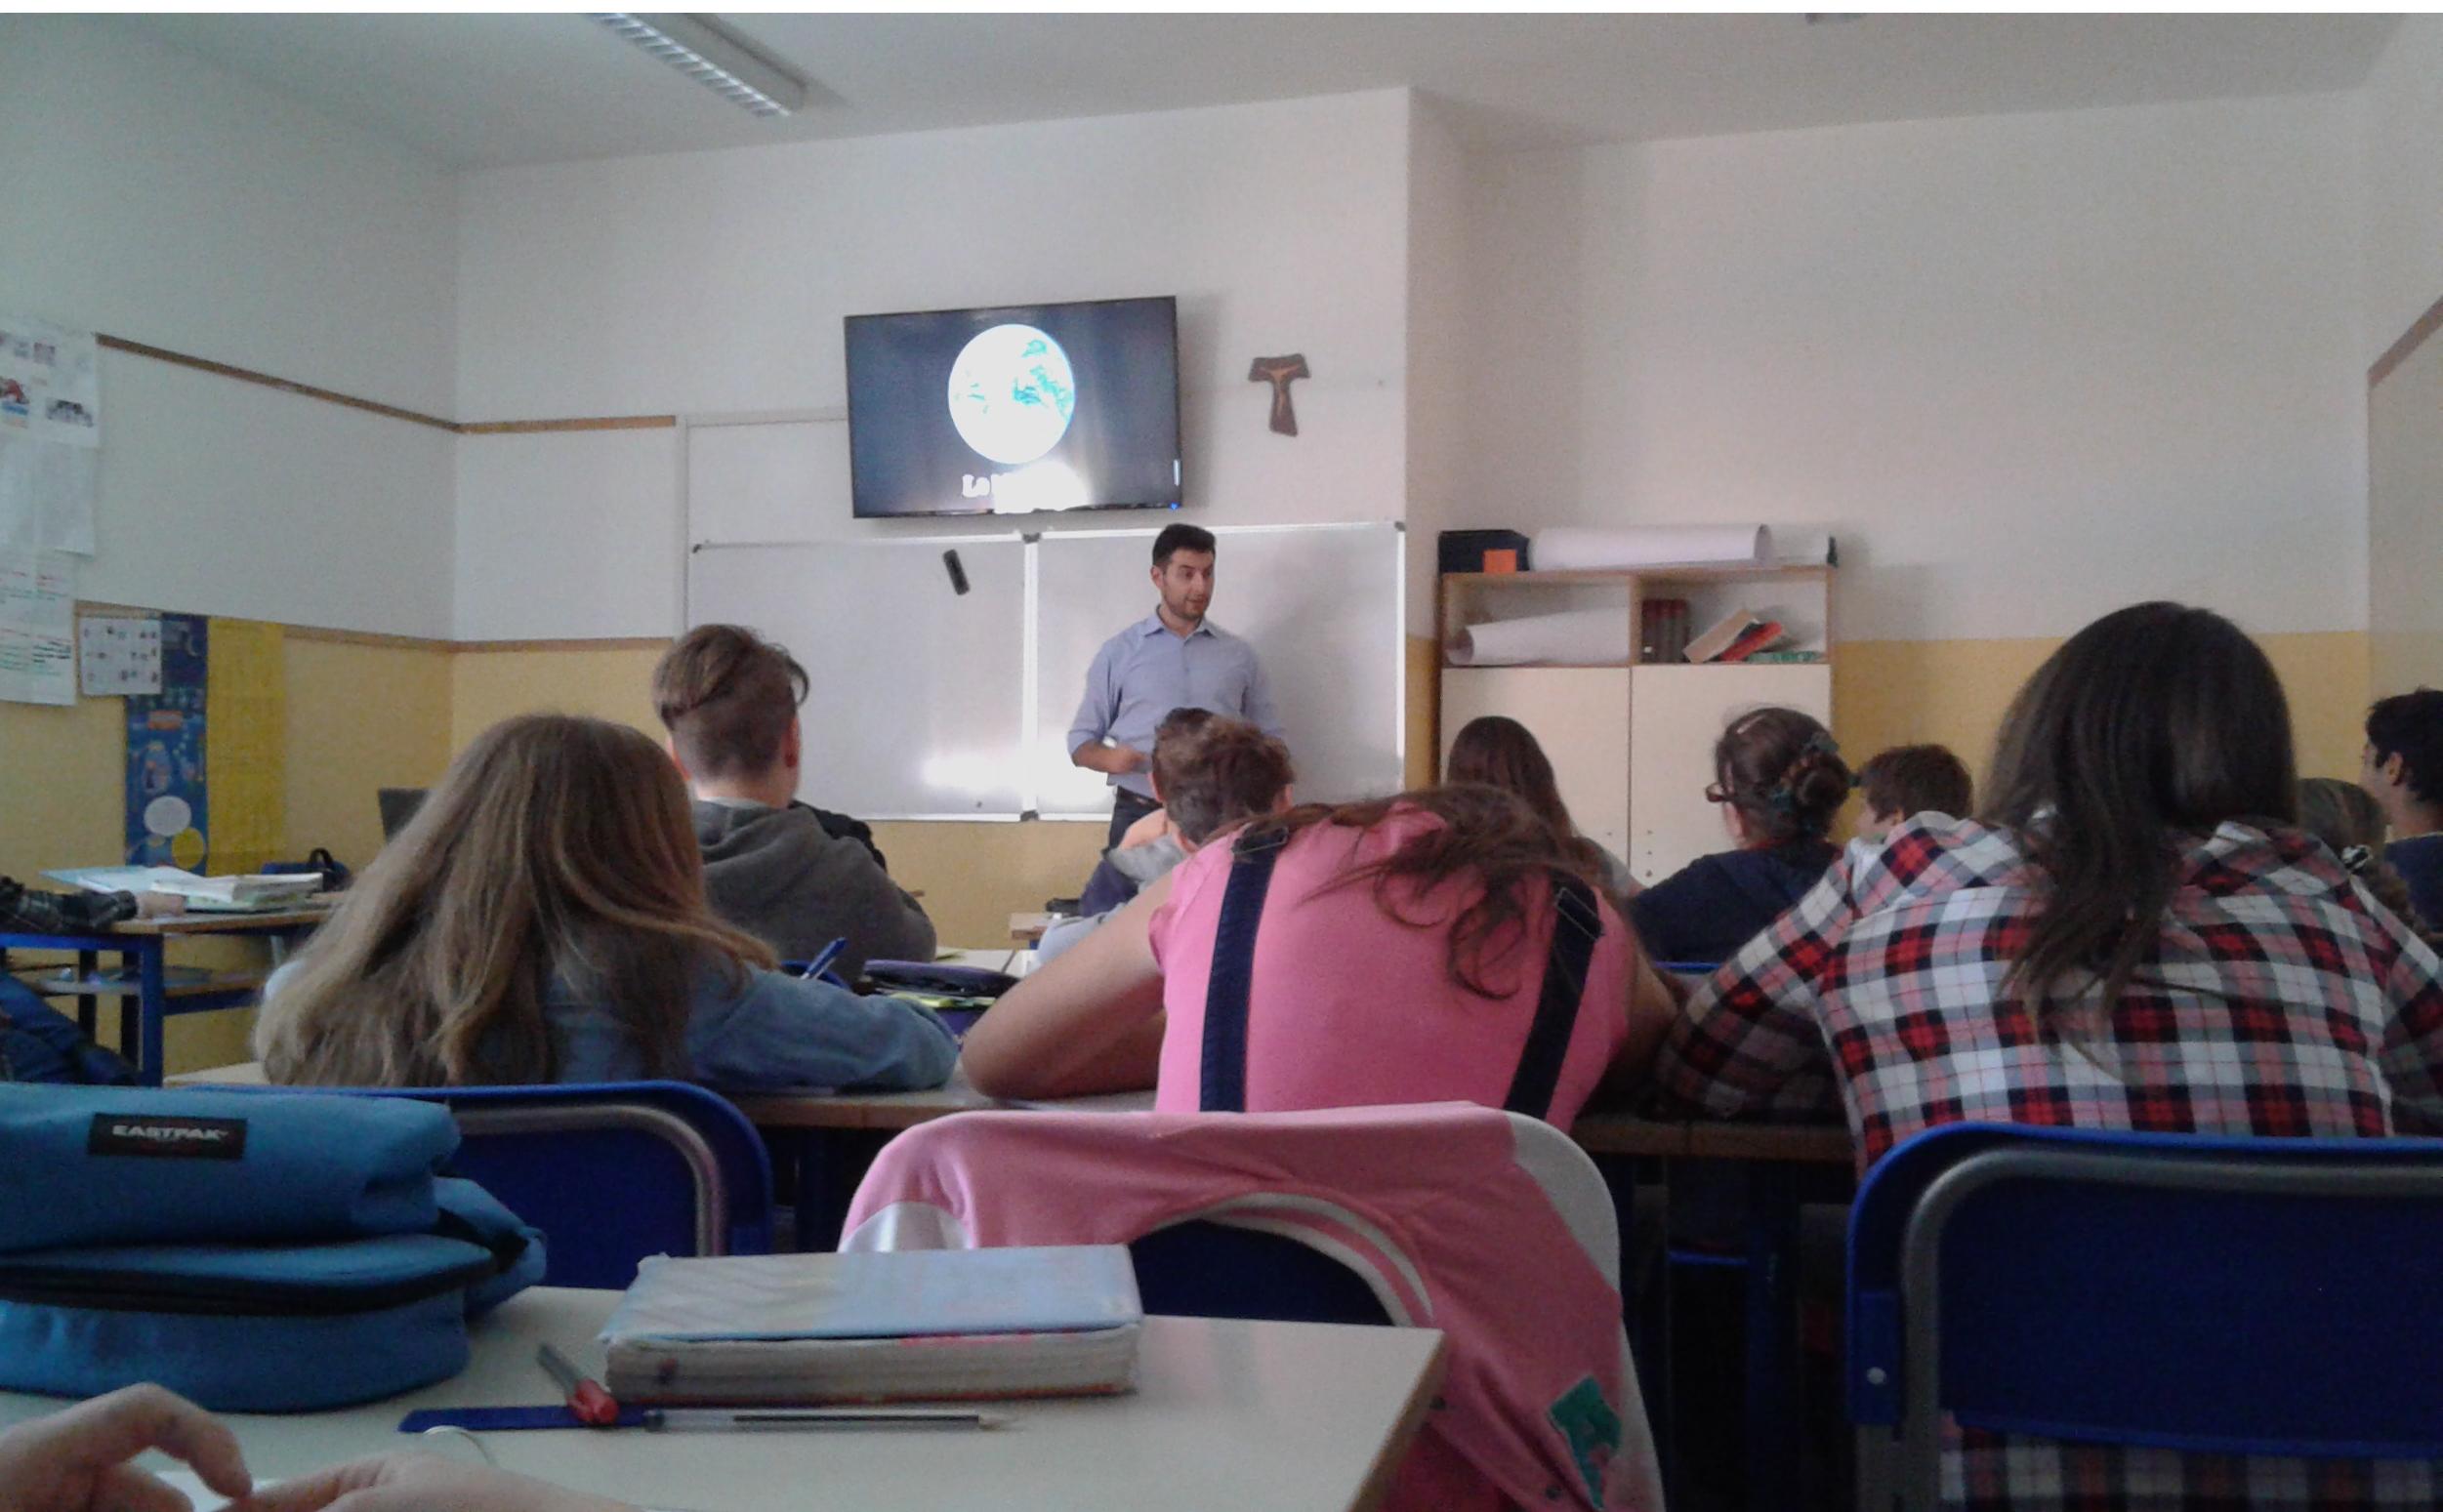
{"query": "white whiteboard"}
pixel 931 705
pixel 919 692
pixel 1321 604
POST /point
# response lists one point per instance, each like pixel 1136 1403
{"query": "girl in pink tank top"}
pixel 1436 947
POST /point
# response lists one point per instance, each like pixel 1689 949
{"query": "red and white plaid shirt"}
pixel 2282 1001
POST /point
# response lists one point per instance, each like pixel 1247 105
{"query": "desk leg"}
pixel 153 1006
pixel 88 1007
pixel 1772 1426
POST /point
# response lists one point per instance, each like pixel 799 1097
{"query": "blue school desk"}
pixel 148 998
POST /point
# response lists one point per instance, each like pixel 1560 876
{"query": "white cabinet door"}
pixel 1578 715
pixel 1676 714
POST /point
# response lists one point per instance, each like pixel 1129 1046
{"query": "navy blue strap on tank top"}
pixel 1223 1068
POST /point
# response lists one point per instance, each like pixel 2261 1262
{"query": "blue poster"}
pixel 166 818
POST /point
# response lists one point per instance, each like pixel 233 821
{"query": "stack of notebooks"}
pixel 1744 635
pixel 921 1325
pixel 247 894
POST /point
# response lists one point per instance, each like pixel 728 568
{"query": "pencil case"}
pixel 361 1290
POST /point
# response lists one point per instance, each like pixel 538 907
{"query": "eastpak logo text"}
pixel 172 1138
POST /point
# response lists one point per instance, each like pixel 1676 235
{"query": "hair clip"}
pixel 2356 859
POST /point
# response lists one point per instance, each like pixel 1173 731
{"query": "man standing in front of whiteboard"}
pixel 1174 658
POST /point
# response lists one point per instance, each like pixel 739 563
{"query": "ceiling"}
pixel 486 89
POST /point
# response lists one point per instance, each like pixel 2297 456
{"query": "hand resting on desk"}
pixel 78 1460
pixel 419 1483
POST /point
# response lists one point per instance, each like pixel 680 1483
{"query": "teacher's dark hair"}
pixel 2151 725
pixel 1180 538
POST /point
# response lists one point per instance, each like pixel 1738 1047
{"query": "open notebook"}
pixel 930 1323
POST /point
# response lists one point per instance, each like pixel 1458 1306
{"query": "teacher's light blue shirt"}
pixel 1144 672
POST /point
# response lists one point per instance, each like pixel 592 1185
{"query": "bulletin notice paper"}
pixel 119 654
pixel 37 628
pixel 49 435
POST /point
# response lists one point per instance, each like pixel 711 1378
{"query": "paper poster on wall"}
pixel 49 435
pixel 166 814
pixel 37 628
pixel 118 654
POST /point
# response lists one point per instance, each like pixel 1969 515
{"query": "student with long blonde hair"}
pixel 543 920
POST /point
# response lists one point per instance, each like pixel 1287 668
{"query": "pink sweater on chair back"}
pixel 1489 1226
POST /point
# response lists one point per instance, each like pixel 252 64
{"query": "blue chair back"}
pixel 1202 1269
pixel 2203 1295
pixel 615 1171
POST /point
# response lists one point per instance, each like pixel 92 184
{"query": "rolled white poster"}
pixel 1575 548
pixel 1581 637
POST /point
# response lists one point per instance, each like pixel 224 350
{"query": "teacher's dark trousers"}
pixel 1126 809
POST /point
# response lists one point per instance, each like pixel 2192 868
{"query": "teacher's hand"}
pixel 78 1460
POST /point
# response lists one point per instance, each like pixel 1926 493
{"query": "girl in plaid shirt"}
pixel 2136 936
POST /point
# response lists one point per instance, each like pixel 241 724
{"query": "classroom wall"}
pixel 2028 368
pixel 2403 106
pixel 715 283
pixel 1442 372
pixel 160 198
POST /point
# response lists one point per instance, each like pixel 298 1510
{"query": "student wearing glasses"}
pixel 1779 780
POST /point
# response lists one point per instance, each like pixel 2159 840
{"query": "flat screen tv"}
pixel 1016 410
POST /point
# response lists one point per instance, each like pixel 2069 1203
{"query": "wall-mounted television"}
pixel 1016 410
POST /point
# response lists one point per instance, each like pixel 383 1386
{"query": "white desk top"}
pixel 1227 1416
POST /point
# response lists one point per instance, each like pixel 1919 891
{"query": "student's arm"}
pixel 1102 705
pixel 787 1032
pixel 1087 1022
pixel 1653 1008
pixel 58 913
pixel 883 921
pixel 2413 1043
pixel 1749 1043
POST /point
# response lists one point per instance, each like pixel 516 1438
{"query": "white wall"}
pixel 715 283
pixel 1441 382
pixel 153 196
pixel 2403 165
pixel 2029 368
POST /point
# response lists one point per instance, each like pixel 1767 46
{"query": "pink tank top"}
pixel 1349 1006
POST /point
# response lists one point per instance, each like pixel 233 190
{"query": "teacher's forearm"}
pixel 1111 760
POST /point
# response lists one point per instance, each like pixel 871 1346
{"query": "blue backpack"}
pixel 255 1252
pixel 40 1044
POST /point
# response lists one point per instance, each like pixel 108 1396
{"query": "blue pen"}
pixel 822 962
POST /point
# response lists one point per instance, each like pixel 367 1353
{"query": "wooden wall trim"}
pixel 384 641
pixel 2410 340
pixel 375 407
pixel 266 380
pixel 604 423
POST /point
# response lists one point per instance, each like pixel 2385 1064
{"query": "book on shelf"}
pixel 894 1325
pixel 1743 636
pixel 208 894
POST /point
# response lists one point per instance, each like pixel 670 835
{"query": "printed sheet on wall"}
pixel 37 627
pixel 49 435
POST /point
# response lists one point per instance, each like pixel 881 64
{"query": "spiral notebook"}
pixel 906 1325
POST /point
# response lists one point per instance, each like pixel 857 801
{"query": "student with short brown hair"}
pixel 777 868
pixel 1908 780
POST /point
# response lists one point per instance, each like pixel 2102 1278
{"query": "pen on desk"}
pixel 735 1419
pixel 822 961
pixel 588 1403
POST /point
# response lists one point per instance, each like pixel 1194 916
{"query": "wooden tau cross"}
pixel 1280 372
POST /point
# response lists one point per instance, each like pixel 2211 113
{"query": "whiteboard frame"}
pixel 1030 696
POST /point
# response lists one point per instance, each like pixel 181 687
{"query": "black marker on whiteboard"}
pixel 958 574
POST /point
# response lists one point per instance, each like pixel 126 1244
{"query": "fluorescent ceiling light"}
pixel 711 53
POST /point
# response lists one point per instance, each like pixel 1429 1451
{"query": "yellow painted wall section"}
pixel 613 682
pixel 1903 692
pixel 362 717
pixel 975 876
pixel 1425 710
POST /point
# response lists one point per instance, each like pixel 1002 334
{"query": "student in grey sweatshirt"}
pixel 730 700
